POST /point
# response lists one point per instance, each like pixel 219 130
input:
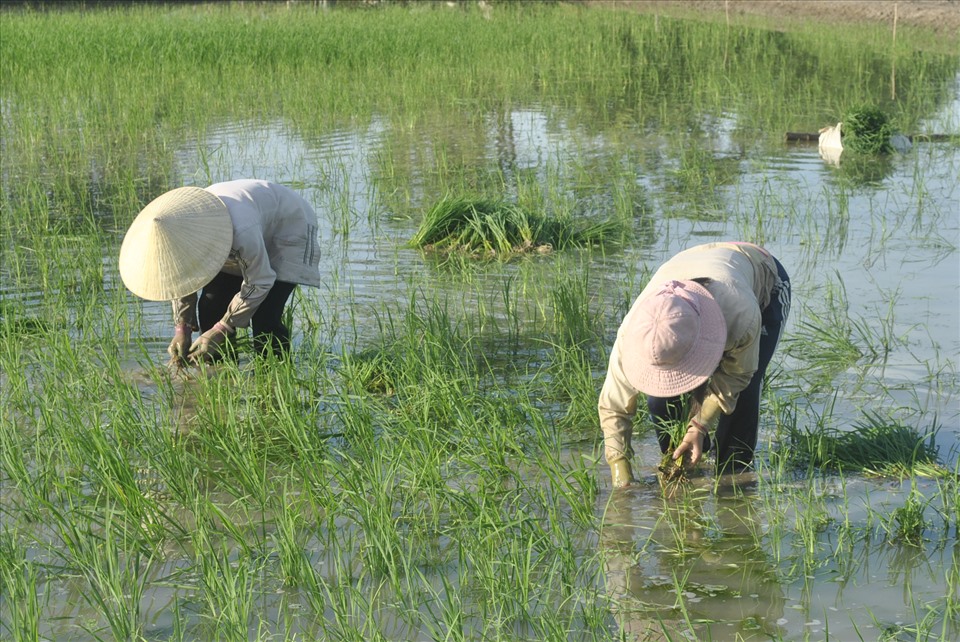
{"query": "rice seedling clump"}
pixel 867 130
pixel 493 228
pixel 873 446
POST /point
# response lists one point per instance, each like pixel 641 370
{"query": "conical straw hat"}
pixel 176 245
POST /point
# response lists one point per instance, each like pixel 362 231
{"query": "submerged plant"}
pixel 488 227
pixel 867 130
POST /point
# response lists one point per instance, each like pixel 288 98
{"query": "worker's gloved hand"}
pixel 179 346
pixel 207 348
pixel 620 474
pixel 692 443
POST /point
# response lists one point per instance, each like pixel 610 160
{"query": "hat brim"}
pixel 697 366
pixel 176 245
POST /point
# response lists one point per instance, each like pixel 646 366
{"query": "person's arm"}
pixel 258 278
pixel 617 406
pixel 185 311
pixel 184 323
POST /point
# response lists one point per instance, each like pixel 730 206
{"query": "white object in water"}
pixel 830 145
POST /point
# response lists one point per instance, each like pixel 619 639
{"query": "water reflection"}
pixel 690 568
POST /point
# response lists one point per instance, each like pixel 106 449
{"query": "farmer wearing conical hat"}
pixel 227 256
pixel 696 343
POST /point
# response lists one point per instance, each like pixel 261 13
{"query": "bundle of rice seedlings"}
pixel 867 130
pixel 476 226
pixel 674 473
pixel 873 446
pixel 487 227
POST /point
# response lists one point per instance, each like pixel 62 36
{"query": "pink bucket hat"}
pixel 672 340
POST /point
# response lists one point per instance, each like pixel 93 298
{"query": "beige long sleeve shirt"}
pixel 274 239
pixel 742 276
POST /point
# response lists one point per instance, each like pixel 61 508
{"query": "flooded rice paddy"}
pixel 464 496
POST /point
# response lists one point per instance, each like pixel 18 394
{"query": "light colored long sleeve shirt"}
pixel 742 277
pixel 274 239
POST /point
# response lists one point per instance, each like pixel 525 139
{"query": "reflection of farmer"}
pixel 244 245
pixel 707 324
pixel 668 580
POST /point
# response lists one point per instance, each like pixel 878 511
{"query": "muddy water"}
pixel 882 240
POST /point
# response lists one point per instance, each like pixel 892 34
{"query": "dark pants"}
pixel 736 435
pixel 269 332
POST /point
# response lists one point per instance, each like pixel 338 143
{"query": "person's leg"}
pixel 215 297
pixel 269 332
pixel 737 433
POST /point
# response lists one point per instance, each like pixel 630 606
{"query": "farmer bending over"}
pixel 228 256
pixel 697 343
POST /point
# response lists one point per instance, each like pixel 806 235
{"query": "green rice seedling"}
pixel 450 623
pixel 119 483
pixel 948 494
pixel 906 523
pixel 422 348
pixel 385 552
pixel 20 608
pixel 290 514
pixel 572 385
pixel 831 342
pixel 874 446
pixel 576 320
pixel 375 370
pixel 812 520
pixel 114 568
pixel 695 186
pixel 867 130
pixel 573 483
pixel 227 581
pixel 951 601
pixel 826 345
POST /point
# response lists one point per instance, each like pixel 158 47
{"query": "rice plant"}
pixel 20 602
pixel 907 523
